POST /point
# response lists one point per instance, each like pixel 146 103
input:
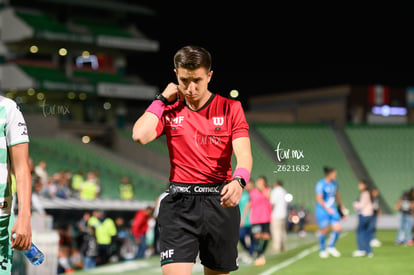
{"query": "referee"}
pixel 200 215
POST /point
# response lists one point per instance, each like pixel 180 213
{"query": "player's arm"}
pixel 398 205
pixel 145 128
pixel 339 200
pixel 19 155
pixel 321 202
pixel 231 193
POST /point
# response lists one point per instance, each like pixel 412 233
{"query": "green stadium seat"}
pixel 319 147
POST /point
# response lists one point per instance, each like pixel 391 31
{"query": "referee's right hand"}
pixel 231 194
pixel 171 92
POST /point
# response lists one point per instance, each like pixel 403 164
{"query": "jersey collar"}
pixel 204 106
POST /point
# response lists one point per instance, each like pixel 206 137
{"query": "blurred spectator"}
pixel 50 189
pixel 37 192
pixel 279 217
pixel 40 171
pixel 89 248
pixel 302 214
pixel 377 211
pixel 62 185
pixel 150 238
pixel 81 228
pixel 260 217
pixel 156 228
pixel 76 259
pixel 405 206
pixel 246 236
pixel 139 229
pixel 76 182
pixel 90 188
pixel 105 230
pixel 363 206
pixel 65 244
pixel 119 240
pixel 64 265
pixel 126 189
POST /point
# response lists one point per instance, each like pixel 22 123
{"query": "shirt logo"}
pixel 174 122
pixel 199 189
pixel 218 120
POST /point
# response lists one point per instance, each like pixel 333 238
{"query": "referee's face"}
pixel 193 84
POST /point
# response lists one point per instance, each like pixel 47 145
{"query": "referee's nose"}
pixel 191 87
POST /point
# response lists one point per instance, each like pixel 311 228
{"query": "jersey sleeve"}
pixel 240 128
pixel 16 129
pixel 319 188
pixel 160 126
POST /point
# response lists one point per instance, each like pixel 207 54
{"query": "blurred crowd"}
pixel 97 239
pixel 65 184
pixel 267 214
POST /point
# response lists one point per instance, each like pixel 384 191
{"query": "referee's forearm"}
pixel 144 129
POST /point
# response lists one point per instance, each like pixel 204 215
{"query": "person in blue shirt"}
pixel 328 201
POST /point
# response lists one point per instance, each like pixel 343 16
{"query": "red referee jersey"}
pixel 200 142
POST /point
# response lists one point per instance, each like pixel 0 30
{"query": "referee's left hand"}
pixel 230 194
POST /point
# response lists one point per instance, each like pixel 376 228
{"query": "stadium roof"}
pixel 108 5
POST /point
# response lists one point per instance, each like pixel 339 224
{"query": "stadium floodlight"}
pixel 82 96
pixel 234 93
pixel 71 95
pixel 34 49
pixel 288 197
pixel 40 96
pixel 63 51
pixel 31 92
pixel 86 139
pixel 107 105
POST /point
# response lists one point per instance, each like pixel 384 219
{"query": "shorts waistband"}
pixel 195 189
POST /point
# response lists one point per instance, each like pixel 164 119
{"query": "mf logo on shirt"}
pixel 218 120
pixel 176 121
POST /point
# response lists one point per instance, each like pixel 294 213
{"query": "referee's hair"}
pixel 192 57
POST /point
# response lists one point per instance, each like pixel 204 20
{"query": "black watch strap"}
pixel 241 181
pixel 163 99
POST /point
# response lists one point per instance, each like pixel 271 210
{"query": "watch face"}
pixel 243 182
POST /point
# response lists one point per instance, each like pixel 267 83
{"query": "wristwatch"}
pixel 241 181
pixel 163 99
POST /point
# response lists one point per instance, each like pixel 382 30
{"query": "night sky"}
pixel 279 48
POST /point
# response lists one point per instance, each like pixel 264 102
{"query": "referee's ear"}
pixel 209 75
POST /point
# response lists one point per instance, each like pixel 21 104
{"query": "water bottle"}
pixel 33 254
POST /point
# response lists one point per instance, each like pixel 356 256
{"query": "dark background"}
pixel 270 48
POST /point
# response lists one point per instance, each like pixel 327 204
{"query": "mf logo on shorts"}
pixel 218 120
pixel 167 254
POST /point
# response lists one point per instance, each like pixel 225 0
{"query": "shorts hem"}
pixel 178 262
pixel 225 270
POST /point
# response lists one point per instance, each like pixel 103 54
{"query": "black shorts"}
pixel 261 228
pixel 193 222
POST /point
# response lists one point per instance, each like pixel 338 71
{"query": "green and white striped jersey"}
pixel 13 131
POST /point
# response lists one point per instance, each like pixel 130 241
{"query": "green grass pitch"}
pixel 388 259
